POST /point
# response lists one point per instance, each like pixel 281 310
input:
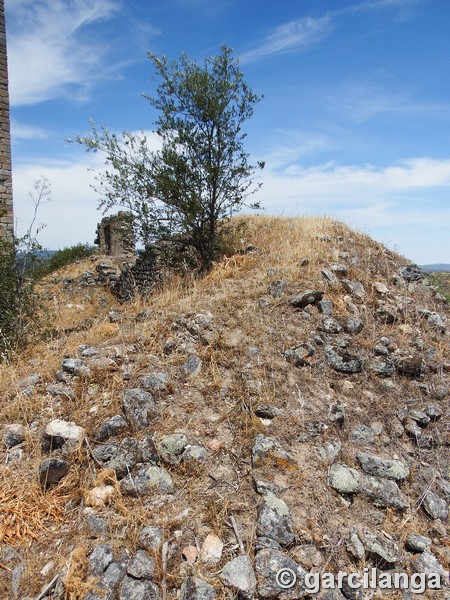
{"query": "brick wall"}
pixel 6 200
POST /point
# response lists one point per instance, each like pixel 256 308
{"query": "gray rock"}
pixel 419 417
pixel 336 414
pixel 194 588
pixel 87 351
pixel 155 382
pixel 28 382
pixel 171 448
pixel 51 471
pixel 384 493
pixel 191 367
pixel 135 589
pixel 435 506
pixel 151 538
pixel 427 563
pixel 276 288
pixel 353 325
pixel 330 277
pixel 386 313
pixel 106 586
pixel 411 273
pixel 268 412
pixel 330 325
pixel 339 269
pixel 362 435
pixel 268 448
pixel 131 452
pixel 141 566
pixel 13 435
pixel 238 574
pixel 383 467
pixel 355 547
pixel 100 559
pixel 412 365
pixel 105 452
pixel 274 520
pixel 59 433
pixel 114 316
pixel 308 297
pixel 344 480
pixel 95 524
pixel 433 412
pixel 340 360
pixel 301 355
pixel 266 542
pixel 325 307
pixel 268 564
pixel 139 407
pixel 434 320
pixel 111 427
pixel 354 287
pixel 145 479
pixel 380 546
pixel 58 390
pixel 193 452
pixel 330 450
pixel 73 366
pixel 417 543
pixel 383 367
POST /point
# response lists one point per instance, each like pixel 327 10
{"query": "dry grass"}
pixel 243 367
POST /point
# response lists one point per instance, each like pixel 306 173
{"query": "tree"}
pixel 201 175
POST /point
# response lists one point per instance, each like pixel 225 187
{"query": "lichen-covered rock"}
pixel 136 589
pixel 342 361
pixel 171 448
pixel 111 427
pixel 380 545
pixel 194 588
pixel 384 493
pixel 191 367
pixel 100 559
pixel 131 452
pixel 435 506
pixel 139 407
pixel 238 574
pixel 59 433
pixel 146 479
pixel 141 566
pixel 383 467
pixel 301 355
pixel 330 325
pixel 417 543
pixel 274 520
pixel 344 480
pixel 269 564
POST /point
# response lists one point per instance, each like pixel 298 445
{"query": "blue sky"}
pixel 355 120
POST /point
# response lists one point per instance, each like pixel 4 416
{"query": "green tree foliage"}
pixel 201 174
pixel 64 257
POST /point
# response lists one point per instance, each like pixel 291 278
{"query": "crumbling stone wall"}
pixel 6 199
pixel 115 235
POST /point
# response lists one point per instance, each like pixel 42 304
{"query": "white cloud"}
pixel 22 131
pixel 294 35
pixel 49 50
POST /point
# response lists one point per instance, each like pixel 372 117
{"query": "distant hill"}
pixel 437 268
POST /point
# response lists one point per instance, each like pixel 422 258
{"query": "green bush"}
pixel 64 257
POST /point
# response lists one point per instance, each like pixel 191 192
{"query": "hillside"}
pixel 288 413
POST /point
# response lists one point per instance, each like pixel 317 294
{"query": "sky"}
pixel 354 123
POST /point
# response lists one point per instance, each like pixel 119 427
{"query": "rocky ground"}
pixel 288 413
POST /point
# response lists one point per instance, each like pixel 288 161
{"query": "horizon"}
pixel 354 122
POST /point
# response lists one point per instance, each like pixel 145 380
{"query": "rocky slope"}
pixel 286 416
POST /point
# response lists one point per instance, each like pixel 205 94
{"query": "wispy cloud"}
pixel 291 36
pixel 22 131
pixel 49 49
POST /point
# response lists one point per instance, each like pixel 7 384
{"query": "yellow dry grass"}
pixel 25 511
